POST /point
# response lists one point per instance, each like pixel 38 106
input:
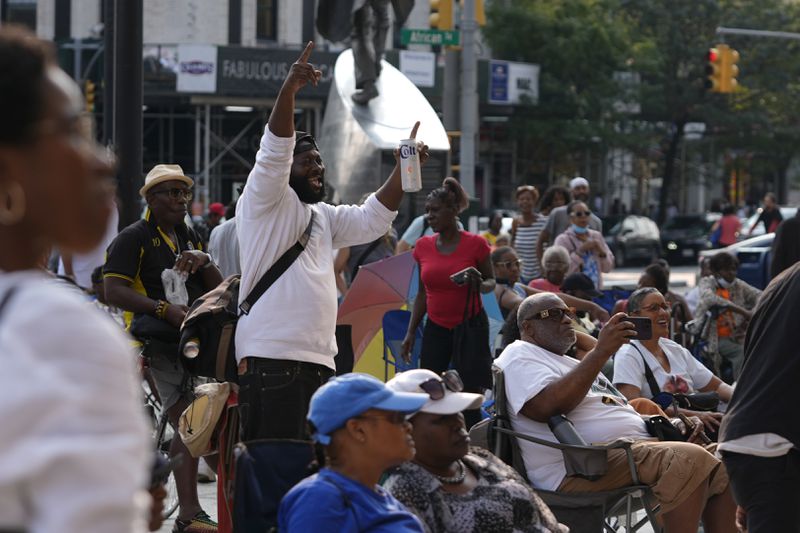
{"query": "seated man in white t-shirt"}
pixel 542 382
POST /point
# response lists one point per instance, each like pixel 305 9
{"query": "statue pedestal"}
pixel 357 141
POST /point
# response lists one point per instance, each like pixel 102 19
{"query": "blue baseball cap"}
pixel 347 396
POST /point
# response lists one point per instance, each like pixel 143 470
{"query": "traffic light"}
pixel 89 94
pixel 713 70
pixel 721 69
pixel 441 17
pixel 729 69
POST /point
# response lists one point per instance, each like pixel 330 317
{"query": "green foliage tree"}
pixel 580 43
pixel 578 48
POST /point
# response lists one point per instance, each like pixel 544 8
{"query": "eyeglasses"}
pixel 581 213
pixel 176 194
pixel 509 264
pixel 435 387
pixel 654 308
pixel 393 417
pixel 554 314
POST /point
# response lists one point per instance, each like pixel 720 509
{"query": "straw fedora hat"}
pixel 162 173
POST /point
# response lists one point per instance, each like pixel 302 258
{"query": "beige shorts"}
pixel 673 470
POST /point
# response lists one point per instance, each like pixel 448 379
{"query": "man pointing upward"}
pixel 286 345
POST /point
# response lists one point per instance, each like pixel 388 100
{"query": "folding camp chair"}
pixel 584 511
pixel 395 326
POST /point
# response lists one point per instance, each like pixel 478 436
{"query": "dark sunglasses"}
pixel 176 194
pixel 581 213
pixel 436 388
pixel 554 314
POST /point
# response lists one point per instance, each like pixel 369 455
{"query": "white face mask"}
pixel 722 282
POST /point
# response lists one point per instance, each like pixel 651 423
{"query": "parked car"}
pixel 633 237
pixel 683 237
pixel 749 222
pixel 754 257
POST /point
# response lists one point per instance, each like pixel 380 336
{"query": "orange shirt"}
pixel 725 320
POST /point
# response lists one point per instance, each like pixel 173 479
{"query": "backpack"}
pixel 208 332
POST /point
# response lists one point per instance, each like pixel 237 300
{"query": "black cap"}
pixel 304 142
pixel 580 282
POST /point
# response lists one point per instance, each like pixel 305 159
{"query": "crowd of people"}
pixel 76 452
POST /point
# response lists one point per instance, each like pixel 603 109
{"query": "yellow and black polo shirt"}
pixel 142 251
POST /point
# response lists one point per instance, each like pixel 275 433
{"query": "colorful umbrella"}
pixel 379 287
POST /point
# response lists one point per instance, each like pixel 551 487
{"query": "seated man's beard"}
pixel 304 192
pixel 560 345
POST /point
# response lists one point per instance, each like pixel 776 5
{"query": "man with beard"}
pixel 286 345
pixel 558 221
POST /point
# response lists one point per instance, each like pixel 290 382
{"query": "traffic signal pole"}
pixel 758 33
pixel 469 97
pixel 128 107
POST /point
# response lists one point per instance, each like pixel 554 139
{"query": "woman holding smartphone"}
pixel 671 365
pixel 454 269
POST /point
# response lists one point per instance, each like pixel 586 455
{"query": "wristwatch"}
pixel 209 262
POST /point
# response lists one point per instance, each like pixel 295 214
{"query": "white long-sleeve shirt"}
pixel 296 318
pixel 75 453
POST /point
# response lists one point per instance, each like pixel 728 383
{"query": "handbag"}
pixel 209 328
pixel 696 401
pixel 661 428
pixel 472 357
pixel 198 424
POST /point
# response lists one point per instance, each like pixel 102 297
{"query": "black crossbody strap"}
pixel 277 269
pixel 648 374
pixel 374 244
pixel 7 298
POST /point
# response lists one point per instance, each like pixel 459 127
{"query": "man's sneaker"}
pixel 204 473
pixel 201 523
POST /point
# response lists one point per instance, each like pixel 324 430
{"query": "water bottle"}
pixel 192 348
pixel 564 431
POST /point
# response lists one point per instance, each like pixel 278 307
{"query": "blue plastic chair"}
pixel 395 326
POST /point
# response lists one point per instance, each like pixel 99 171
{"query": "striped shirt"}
pixel 525 245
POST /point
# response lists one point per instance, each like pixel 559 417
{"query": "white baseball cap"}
pixel 451 403
pixel 578 181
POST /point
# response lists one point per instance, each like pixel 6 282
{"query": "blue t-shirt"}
pixel 329 501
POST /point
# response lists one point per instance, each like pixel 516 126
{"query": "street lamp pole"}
pixel 469 97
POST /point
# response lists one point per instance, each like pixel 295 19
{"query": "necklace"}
pixel 454 480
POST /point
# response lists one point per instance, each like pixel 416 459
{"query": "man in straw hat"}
pixel 133 282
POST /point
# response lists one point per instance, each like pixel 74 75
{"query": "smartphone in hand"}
pixel 460 277
pixel 644 327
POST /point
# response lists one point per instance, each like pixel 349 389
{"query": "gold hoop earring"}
pixel 12 204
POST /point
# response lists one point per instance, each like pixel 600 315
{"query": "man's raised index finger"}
pixel 414 130
pixel 306 53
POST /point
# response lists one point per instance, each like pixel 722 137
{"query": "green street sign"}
pixel 432 37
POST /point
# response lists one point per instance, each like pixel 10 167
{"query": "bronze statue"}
pixel 366 22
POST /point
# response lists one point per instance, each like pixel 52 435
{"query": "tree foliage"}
pixel 581 43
